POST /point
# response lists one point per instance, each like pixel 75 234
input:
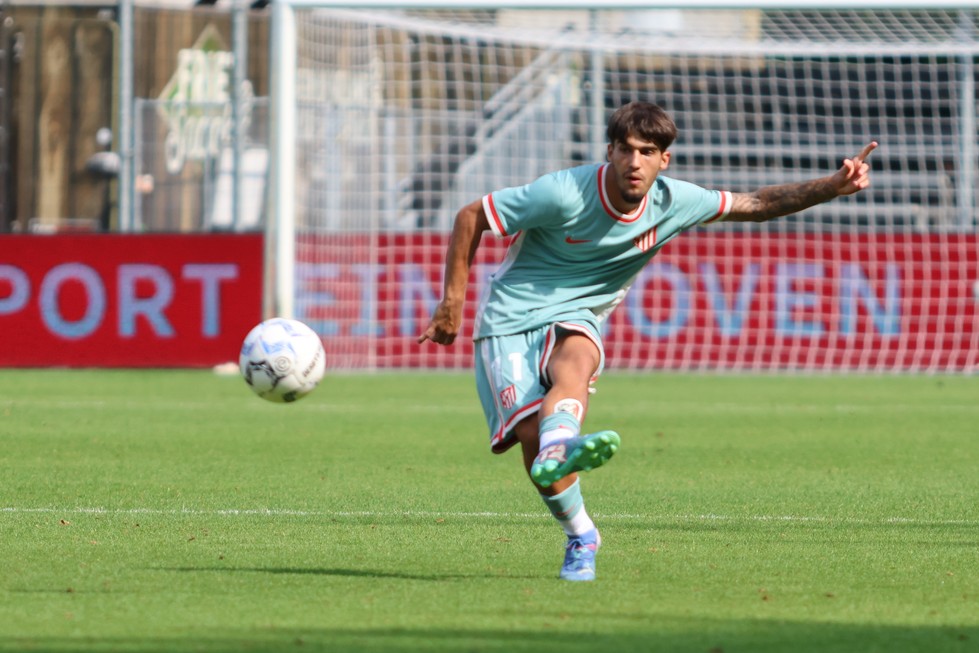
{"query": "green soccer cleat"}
pixel 579 454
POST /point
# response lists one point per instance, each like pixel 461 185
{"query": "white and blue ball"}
pixel 282 360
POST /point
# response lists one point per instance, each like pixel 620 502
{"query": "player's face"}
pixel 635 165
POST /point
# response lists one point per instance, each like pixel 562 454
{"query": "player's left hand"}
pixel 854 175
pixel 444 326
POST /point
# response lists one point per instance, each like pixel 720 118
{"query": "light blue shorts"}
pixel 512 377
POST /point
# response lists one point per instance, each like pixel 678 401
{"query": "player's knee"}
pixel 575 356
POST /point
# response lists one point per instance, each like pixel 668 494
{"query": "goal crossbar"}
pixel 631 4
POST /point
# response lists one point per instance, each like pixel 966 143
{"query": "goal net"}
pixel 387 122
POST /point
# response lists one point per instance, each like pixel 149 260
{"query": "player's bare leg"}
pixel 561 451
pixel 573 363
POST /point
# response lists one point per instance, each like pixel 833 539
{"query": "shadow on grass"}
pixel 318 571
pixel 670 634
pixel 828 530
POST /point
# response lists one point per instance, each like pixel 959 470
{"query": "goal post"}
pixel 281 227
pixel 387 117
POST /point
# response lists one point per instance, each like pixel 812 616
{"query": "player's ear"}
pixel 608 152
pixel 665 161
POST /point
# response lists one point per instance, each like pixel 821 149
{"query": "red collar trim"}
pixel 607 204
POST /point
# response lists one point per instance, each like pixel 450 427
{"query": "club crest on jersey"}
pixel 646 241
pixel 508 396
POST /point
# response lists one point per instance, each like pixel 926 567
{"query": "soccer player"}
pixel 581 236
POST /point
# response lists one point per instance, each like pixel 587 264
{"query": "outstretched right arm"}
pixel 775 201
pixel 470 224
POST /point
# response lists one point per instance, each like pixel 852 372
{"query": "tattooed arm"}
pixel 775 201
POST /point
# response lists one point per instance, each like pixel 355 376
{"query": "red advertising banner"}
pixel 718 301
pixel 109 300
pixel 709 301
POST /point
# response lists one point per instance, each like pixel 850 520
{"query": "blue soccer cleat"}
pixel 579 556
pixel 579 454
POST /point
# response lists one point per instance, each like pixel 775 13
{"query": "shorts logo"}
pixel 508 396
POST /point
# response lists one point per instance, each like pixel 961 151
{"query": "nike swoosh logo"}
pixel 574 241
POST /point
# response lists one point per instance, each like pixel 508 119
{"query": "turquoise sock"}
pixel 568 509
pixel 560 420
pixel 558 426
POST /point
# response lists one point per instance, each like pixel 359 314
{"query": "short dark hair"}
pixel 644 120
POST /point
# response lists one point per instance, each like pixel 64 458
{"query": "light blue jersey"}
pixel 574 256
pixel 571 262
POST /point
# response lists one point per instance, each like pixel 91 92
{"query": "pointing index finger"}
pixel 871 146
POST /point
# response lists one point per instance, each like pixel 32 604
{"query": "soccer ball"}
pixel 282 360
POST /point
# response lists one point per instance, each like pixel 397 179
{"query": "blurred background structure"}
pixel 73 76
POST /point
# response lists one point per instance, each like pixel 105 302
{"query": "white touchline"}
pixel 285 512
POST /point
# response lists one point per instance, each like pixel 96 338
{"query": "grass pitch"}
pixel 153 511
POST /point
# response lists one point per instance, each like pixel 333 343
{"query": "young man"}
pixel 582 237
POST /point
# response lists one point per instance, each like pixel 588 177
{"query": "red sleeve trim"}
pixel 494 218
pixel 726 201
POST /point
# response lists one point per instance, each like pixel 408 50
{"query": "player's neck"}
pixel 614 195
